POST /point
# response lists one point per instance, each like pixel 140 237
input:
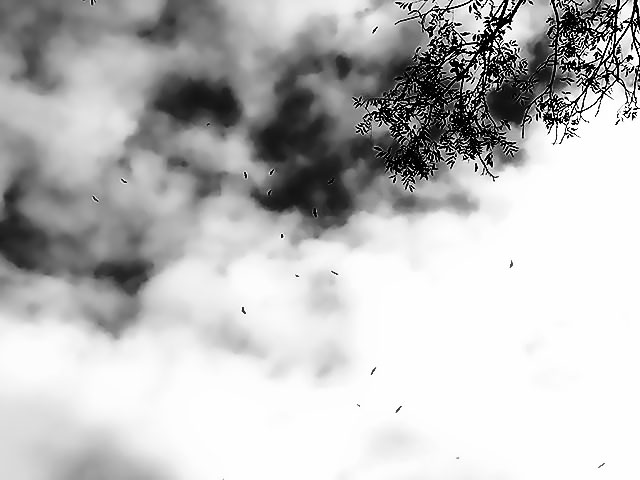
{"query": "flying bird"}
pixel 398 409
pixel 269 193
pixel 475 169
pixel 123 180
pixel 208 123
pixel 282 235
pixel 374 30
pixel 511 264
pixel 244 311
pixel 358 404
pixel 315 212
pixel 271 171
pixel 331 181
pixel 374 369
pixel 297 276
pixel 335 273
pixel 600 465
pixel 457 458
pixel 95 199
pixel 245 175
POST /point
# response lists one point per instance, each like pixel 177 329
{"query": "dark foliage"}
pixel 469 87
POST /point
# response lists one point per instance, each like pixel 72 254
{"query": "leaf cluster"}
pixel 437 110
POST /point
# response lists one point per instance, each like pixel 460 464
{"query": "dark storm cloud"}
pixel 22 243
pixel 127 275
pixel 191 99
pixel 301 134
pixel 343 65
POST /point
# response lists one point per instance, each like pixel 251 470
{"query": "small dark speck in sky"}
pixel 457 458
pixel 208 124
pixel 398 409
pixel 244 311
pixel 511 264
pixel 358 404
pixel 297 276
pixel 335 273
pixel 315 212
pixel 282 235
pixel 374 30
pixel 600 465
pixel 374 369
pixel 331 181
pixel 245 175
pixel 271 171
pixel 269 193
pixel 95 199
pixel 123 180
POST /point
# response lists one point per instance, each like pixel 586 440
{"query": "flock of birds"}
pixel 314 212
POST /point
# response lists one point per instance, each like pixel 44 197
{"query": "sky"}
pixel 125 352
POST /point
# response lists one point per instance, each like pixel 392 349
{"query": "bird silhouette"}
pixel 398 409
pixel 244 311
pixel 269 193
pixel 331 181
pixel 282 235
pixel 374 30
pixel 297 276
pixel 600 465
pixel 208 123
pixel 457 458
pixel 335 273
pixel 315 212
pixel 123 180
pixel 271 171
pixel 374 369
pixel 245 175
pixel 475 169
pixel 358 404
pixel 95 199
pixel 511 264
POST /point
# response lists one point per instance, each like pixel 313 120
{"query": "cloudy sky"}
pixel 124 350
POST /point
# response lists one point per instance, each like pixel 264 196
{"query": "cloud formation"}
pixel 124 349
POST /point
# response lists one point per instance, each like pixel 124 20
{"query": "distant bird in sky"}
pixel 374 369
pixel 271 171
pixel 511 264
pixel 374 30
pixel 95 199
pixel 269 193
pixel 398 409
pixel 475 169
pixel 315 212
pixel 331 181
pixel 358 404
pixel 600 465
pixel 208 123
pixel 457 458
pixel 244 311
pixel 245 175
pixel 123 180
pixel 297 276
pixel 335 273
pixel 282 235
